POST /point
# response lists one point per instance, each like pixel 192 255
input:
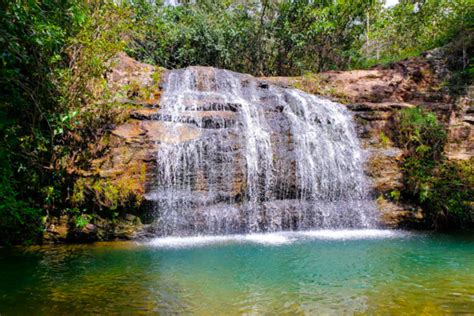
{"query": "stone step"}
pixel 435 106
pixel 213 106
pixel 144 114
pixel 191 198
pixel 378 107
pixel 150 103
pixel 201 119
pixel 469 119
pixel 431 96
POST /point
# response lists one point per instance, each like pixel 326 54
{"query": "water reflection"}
pixel 413 274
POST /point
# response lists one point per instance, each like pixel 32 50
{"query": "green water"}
pixel 382 273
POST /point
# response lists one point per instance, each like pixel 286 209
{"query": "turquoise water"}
pixel 325 272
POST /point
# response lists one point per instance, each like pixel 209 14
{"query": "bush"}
pixel 256 37
pixel 445 189
pixel 53 56
pixel 18 220
pixel 32 37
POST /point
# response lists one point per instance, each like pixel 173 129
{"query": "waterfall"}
pixel 241 155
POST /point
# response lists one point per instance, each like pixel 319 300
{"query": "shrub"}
pixel 52 62
pixel 445 189
pixel 18 220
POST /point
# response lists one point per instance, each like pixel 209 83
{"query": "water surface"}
pixel 323 272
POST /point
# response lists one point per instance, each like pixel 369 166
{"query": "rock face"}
pixel 137 87
pixel 237 154
pixel 461 132
pixel 375 95
pixel 63 229
pixel 116 181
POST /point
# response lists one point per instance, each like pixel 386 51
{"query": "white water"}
pixel 252 158
pixel 275 239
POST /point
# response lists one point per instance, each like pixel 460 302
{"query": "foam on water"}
pixel 275 239
pixel 269 239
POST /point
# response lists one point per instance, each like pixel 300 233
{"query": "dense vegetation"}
pixel 54 54
pixel 295 37
pixel 444 188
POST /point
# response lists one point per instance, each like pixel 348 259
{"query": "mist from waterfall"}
pixel 246 156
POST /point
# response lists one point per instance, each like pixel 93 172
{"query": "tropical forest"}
pixel 216 157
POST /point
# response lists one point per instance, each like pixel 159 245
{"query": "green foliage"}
pixel 296 37
pixel 105 196
pixel 412 27
pixel 258 37
pixel 32 36
pixel 395 195
pixel 81 220
pixel 454 192
pixel 384 140
pixel 420 133
pixel 52 63
pixel 19 221
pixel 104 32
pixel 83 92
pixel 444 188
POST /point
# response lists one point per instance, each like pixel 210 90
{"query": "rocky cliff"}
pixel 124 172
pixel 375 95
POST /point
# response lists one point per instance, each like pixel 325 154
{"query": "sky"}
pixel 390 3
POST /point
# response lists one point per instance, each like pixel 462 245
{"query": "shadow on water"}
pixel 96 278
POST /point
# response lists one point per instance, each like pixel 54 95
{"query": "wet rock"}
pixel 460 143
pixel 56 229
pixel 373 95
pixel 399 215
pixel 376 95
pixel 383 167
pixel 88 233
pixel 63 230
pixel 130 227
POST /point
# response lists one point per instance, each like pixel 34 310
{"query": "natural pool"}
pixel 319 272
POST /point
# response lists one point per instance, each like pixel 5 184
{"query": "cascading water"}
pixel 244 156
